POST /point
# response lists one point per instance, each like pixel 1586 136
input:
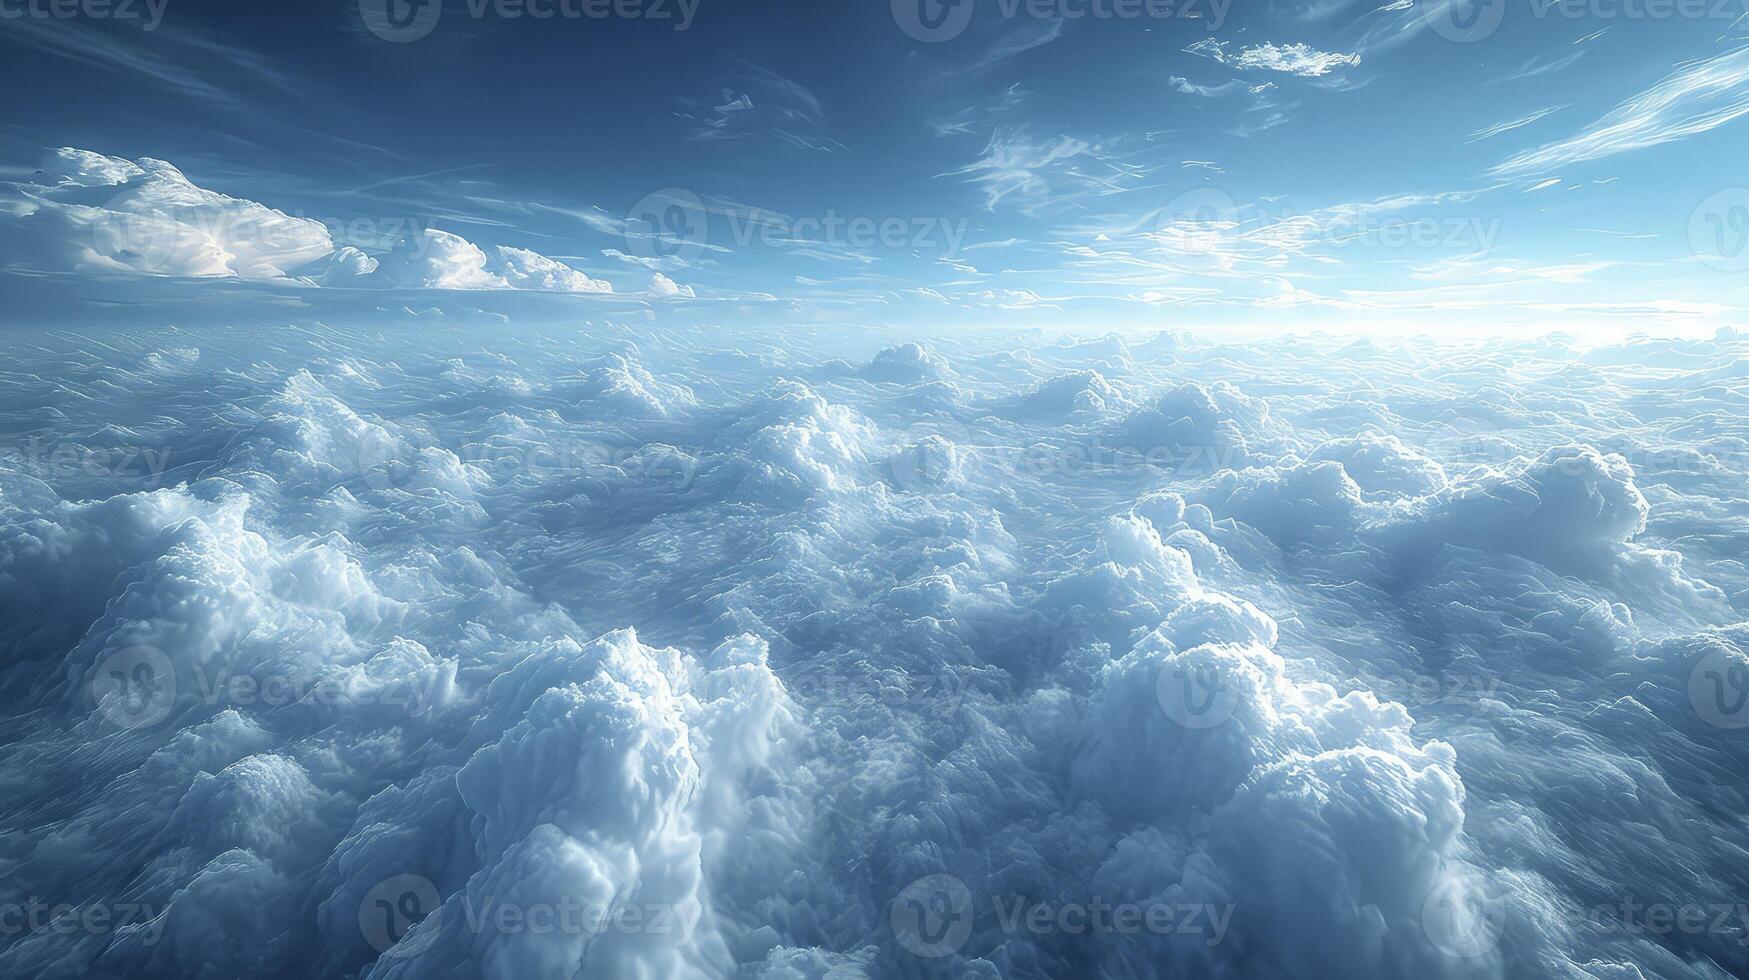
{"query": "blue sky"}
pixel 1104 164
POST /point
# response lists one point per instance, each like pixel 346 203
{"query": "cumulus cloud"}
pixel 92 214
pixel 1293 59
pixel 757 657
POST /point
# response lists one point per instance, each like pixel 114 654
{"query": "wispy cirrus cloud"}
pixel 1696 97
pixel 1030 34
pixel 1488 132
pixel 1021 171
pixel 760 104
pixel 1293 59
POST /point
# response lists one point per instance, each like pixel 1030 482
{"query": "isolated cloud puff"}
pixel 1293 59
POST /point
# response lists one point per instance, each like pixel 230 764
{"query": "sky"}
pixel 1416 166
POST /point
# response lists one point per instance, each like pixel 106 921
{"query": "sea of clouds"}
pixel 589 649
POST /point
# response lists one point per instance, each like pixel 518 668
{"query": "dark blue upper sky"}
pixel 1371 164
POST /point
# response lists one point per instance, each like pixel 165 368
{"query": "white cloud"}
pixel 100 215
pixel 661 285
pixel 92 214
pixel 1294 59
pixel 1697 97
pixel 1488 132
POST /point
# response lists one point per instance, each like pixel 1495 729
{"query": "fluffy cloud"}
pixel 98 215
pixel 743 658
pixel 1293 59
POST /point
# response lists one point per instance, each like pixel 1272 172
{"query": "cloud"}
pixel 433 259
pixel 1030 173
pixel 101 215
pixel 760 104
pixel 1030 34
pixel 1495 130
pixel 1695 98
pixel 92 214
pixel 661 285
pixel 1187 87
pixel 1293 59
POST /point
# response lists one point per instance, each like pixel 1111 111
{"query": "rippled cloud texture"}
pixel 456 649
